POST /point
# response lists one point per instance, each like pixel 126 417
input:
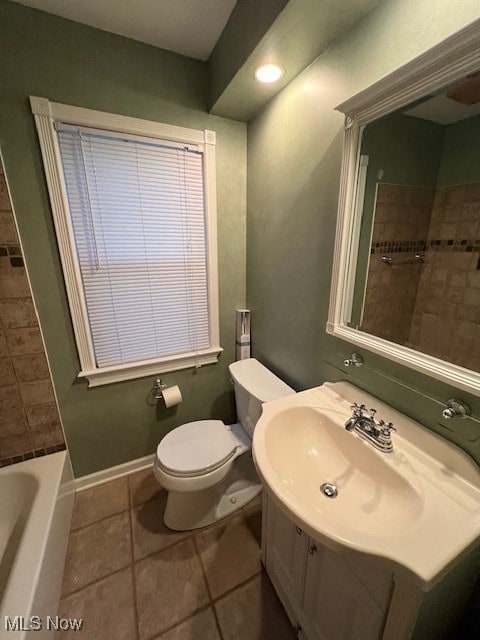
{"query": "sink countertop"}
pixel 418 506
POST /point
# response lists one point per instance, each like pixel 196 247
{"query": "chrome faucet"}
pixel 378 433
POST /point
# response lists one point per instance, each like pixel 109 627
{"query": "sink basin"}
pixel 418 506
pixel 306 449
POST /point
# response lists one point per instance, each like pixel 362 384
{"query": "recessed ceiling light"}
pixel 269 72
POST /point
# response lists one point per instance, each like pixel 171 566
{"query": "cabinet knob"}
pixel 312 548
pixel 298 530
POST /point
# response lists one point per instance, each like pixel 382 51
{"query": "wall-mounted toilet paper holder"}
pixel 171 396
pixel 158 387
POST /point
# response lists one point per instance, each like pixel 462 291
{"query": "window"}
pixel 134 210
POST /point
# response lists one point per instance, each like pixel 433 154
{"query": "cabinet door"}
pixel 336 604
pixel 286 558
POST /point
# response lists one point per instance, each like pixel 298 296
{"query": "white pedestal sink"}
pixel 417 507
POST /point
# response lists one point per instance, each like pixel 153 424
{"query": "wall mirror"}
pixel 406 277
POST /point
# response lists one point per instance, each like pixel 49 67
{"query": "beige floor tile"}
pixel 102 501
pixel 170 587
pixel 97 550
pixel 150 534
pixel 256 503
pixel 31 367
pixel 253 517
pixel 144 487
pixel 18 313
pixel 36 391
pixel 254 612
pixel 201 626
pixel 230 554
pixel 106 607
pixel 24 341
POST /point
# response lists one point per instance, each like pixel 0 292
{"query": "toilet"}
pixel 207 466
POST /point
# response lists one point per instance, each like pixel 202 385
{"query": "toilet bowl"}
pixel 206 466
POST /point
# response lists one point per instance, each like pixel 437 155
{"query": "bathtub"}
pixel 36 501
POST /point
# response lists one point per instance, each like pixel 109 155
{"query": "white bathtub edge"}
pixel 33 588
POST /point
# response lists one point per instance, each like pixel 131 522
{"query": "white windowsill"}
pixel 119 373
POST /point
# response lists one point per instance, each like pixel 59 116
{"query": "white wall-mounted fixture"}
pixel 355 360
pixel 243 334
pixel 269 72
pixel 456 409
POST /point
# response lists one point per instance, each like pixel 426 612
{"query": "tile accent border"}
pixel 38 453
pixel 402 246
pixel 468 246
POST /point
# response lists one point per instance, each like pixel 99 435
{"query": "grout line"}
pixel 132 570
pixel 90 584
pixel 168 546
pixel 158 636
pixel 204 573
pixel 191 536
pixel 160 496
pixel 112 515
pixel 211 602
pixel 129 491
pixel 130 506
pixel 240 585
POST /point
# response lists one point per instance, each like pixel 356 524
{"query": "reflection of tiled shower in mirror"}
pixel 423 281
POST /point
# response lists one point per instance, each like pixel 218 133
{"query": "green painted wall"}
pixel 43 55
pixel 461 153
pixel 408 151
pixel 294 159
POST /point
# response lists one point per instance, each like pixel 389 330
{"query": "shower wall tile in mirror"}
pixel 402 218
pixel 29 419
pixel 422 205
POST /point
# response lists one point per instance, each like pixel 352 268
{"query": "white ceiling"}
pixel 443 110
pixel 189 27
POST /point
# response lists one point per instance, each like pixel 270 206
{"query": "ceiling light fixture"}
pixel 269 72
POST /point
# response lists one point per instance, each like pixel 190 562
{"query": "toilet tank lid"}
pixel 259 381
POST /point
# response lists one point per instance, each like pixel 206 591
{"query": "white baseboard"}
pixel 105 475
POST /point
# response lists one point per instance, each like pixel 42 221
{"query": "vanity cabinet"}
pixel 285 549
pixel 336 605
pixel 354 596
pixel 322 592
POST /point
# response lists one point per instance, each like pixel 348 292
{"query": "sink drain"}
pixel 329 489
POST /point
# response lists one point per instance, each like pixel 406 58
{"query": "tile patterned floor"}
pixel 131 578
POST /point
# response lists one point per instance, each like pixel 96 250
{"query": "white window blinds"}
pixel 138 216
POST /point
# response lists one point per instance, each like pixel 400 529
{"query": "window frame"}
pixel 46 113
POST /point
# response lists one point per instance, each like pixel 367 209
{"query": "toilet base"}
pixel 191 510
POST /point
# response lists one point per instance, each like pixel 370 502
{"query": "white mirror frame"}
pixel 454 57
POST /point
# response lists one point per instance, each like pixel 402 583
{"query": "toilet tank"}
pixel 254 384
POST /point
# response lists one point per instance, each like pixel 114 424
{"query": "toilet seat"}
pixel 196 448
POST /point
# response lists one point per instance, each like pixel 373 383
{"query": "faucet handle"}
pixel 386 427
pixel 358 409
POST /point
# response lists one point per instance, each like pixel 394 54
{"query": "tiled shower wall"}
pixel 29 419
pixel 446 317
pixel 434 305
pixel 402 218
